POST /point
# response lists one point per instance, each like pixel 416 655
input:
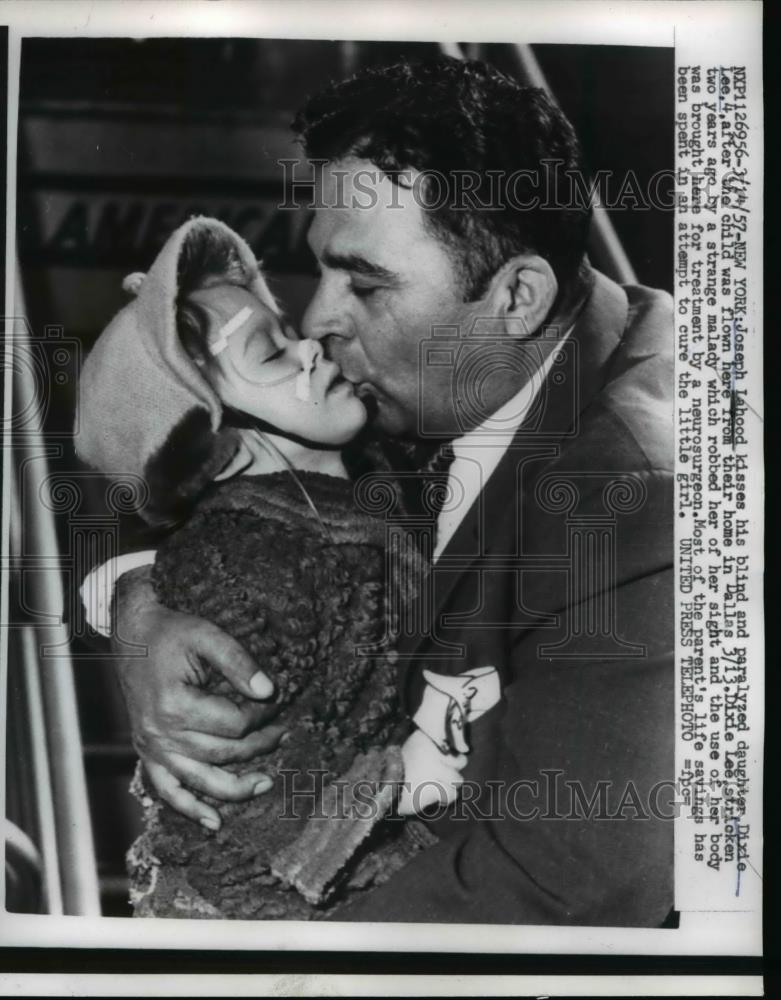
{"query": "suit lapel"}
pixel 491 526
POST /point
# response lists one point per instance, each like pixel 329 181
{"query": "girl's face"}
pixel 255 367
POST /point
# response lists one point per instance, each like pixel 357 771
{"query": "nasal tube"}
pixel 308 352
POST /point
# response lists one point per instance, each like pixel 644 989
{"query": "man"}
pixel 466 312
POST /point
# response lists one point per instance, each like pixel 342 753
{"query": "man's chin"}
pixel 385 416
pixel 390 421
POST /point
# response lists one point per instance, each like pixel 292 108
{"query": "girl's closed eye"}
pixel 265 345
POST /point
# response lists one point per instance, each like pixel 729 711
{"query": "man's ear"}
pixel 522 292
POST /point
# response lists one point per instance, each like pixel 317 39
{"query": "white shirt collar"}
pixel 479 451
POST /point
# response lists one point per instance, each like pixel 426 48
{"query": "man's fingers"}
pixel 213 750
pixel 171 790
pixel 215 781
pixel 230 658
pixel 216 715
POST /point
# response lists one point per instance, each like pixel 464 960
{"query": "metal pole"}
pixel 80 893
pixel 44 788
pixel 604 241
pixel 40 795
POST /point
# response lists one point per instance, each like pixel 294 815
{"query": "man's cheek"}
pixel 390 420
pixel 398 411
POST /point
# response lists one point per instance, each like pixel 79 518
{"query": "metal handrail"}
pixel 42 790
pixel 22 864
pixel 53 715
pixel 604 241
pixel 44 787
pixel 21 845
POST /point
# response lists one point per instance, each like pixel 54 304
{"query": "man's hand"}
pixel 182 733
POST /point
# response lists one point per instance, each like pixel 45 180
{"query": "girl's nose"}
pixel 309 353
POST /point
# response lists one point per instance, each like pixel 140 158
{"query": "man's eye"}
pixel 363 291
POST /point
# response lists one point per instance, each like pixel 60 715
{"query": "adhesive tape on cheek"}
pixel 308 350
pixel 229 329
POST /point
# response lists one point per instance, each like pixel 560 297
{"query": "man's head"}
pixel 429 219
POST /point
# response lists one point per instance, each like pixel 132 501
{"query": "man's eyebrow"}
pixel 358 265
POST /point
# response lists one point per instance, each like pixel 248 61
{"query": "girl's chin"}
pixel 349 409
pixel 349 433
pixel 335 433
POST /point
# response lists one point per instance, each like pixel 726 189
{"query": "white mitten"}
pixel 436 753
pixel 431 777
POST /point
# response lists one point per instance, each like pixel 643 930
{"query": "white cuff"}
pixel 97 591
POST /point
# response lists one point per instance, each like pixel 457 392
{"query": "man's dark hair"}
pixel 448 116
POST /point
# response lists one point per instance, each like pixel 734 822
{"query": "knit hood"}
pixel 144 408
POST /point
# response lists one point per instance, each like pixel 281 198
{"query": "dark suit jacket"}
pixel 561 576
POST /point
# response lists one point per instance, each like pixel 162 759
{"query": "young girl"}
pixel 236 428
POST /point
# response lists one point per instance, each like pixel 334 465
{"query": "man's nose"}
pixel 311 321
pixel 323 319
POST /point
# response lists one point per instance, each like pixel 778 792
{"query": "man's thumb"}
pixel 227 656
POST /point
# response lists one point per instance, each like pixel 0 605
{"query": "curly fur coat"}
pixel 254 560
